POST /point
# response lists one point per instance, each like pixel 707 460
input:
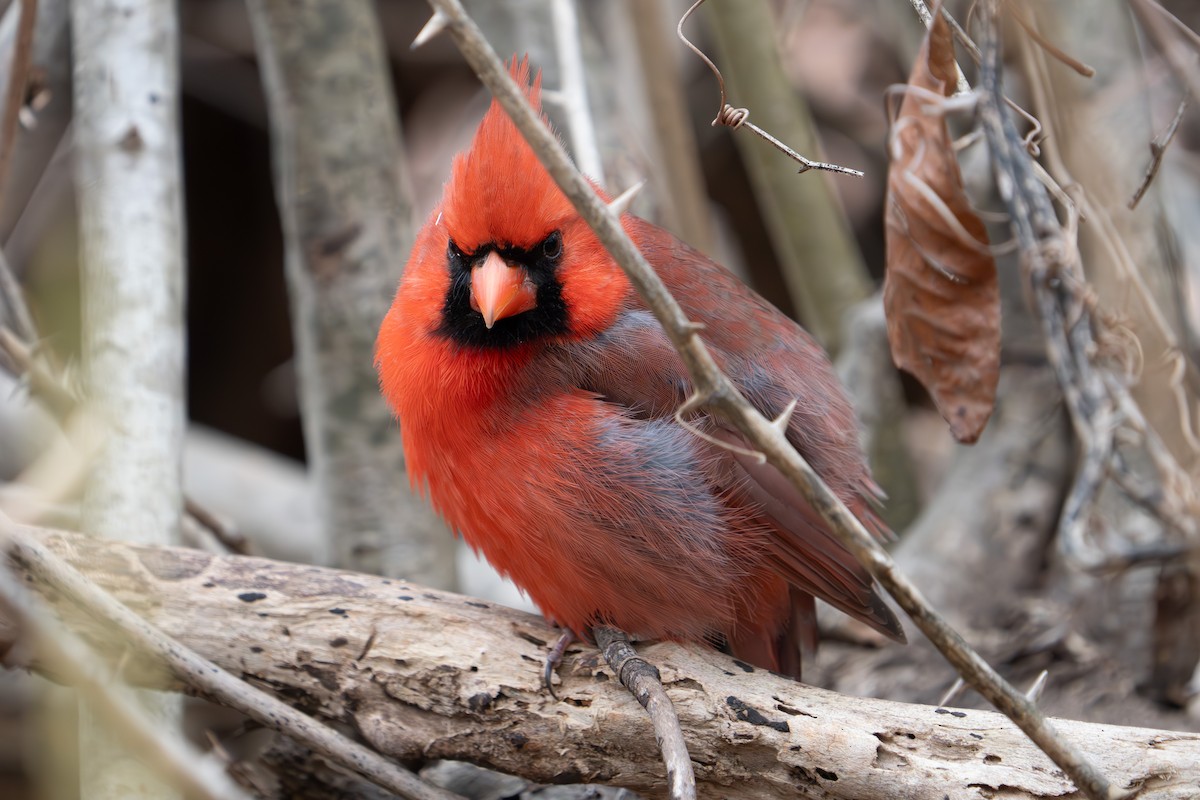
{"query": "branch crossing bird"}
pixel 536 395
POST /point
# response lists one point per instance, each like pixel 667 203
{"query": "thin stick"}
pixel 643 681
pixel 207 678
pixel 17 78
pixel 1049 47
pixel 52 391
pixel 724 399
pixel 926 18
pixel 1155 18
pixel 72 662
pixel 1089 390
pixel 1036 228
pixel 45 385
pixel 12 298
pixel 1158 148
pixel 738 117
pixel 1188 33
pixel 572 89
pixel 227 534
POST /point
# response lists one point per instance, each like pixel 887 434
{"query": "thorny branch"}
pixel 739 117
pixel 202 675
pixel 724 399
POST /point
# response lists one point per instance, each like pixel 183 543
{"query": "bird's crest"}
pixel 498 191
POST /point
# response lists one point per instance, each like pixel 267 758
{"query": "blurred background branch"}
pixel 131 230
pixel 348 223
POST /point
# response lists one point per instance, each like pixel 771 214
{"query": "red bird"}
pixel 536 395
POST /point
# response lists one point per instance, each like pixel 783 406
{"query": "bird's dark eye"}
pixel 456 256
pixel 552 245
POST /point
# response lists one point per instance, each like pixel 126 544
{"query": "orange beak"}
pixel 499 291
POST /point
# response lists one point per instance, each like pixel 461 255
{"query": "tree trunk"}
pixel 128 181
pixel 347 221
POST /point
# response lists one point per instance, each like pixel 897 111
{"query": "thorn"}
pixel 693 327
pixel 952 693
pixel 780 423
pixel 553 96
pixel 437 23
pixel 622 203
pixel 1039 685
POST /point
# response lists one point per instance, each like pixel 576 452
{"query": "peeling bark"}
pixel 428 675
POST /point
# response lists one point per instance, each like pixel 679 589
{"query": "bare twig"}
pixel 926 18
pixel 52 390
pixel 17 78
pixel 44 384
pixel 175 760
pixel 1045 257
pixel 724 399
pixel 667 101
pixel 1049 47
pixel 641 678
pixel 1155 18
pixel 1189 34
pixel 739 117
pixel 1158 148
pixel 230 538
pixel 1099 400
pixel 572 90
pixel 804 221
pixel 17 316
pixel 206 678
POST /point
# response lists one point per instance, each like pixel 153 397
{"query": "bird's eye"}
pixel 552 245
pixel 455 255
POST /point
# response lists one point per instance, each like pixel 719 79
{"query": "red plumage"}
pixel 547 439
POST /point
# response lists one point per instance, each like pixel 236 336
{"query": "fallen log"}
pixel 424 675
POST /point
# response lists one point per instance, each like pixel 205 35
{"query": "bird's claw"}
pixel 553 658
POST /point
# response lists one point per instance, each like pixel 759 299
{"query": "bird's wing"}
pixel 634 367
pixel 774 362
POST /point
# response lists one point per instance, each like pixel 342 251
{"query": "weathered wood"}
pixel 425 675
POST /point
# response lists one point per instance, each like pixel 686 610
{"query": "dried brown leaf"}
pixel 940 293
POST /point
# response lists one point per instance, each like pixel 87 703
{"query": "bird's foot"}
pixel 644 682
pixel 553 658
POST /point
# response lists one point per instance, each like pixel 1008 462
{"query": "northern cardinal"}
pixel 536 396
